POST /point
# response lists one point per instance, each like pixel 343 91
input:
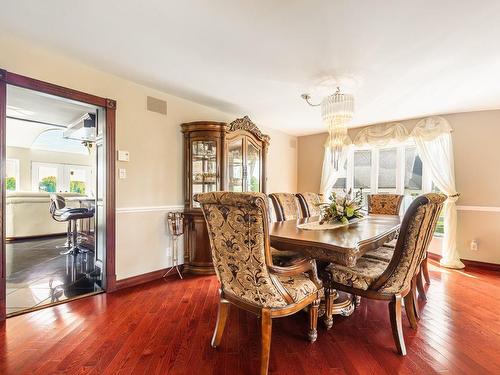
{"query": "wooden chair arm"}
pixel 302 265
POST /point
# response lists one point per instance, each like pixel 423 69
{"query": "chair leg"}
pixel 425 271
pixel 313 320
pixel 221 322
pixel 413 292
pixel 420 286
pixel 68 236
pixel 329 299
pixel 266 329
pixel 396 324
pixel 410 310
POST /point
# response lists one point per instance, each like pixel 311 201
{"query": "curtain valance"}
pixel 430 128
pixel 387 134
pixel 381 135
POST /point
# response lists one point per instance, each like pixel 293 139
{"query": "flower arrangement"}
pixel 342 209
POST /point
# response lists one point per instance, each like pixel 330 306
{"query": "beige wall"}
pixel 26 156
pixel 154 181
pixel 477 159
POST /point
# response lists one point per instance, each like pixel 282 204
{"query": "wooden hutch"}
pixel 217 156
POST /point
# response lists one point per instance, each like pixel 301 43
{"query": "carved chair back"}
pixel 309 203
pixel 272 211
pixel 238 228
pixel 286 206
pixel 384 204
pixel 417 228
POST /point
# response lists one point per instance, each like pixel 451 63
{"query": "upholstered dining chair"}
pixel 309 204
pixel 384 204
pixel 238 228
pixel 395 280
pixel 390 204
pixel 286 206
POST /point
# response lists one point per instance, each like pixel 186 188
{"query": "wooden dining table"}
pixel 342 245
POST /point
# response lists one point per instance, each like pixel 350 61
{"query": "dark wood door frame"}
pixel 9 78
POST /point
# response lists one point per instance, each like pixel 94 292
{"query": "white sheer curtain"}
pixel 434 146
pixel 329 174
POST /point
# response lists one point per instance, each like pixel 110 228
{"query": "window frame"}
pixel 63 182
pixel 375 164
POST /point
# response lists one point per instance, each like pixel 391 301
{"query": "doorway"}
pixel 57 152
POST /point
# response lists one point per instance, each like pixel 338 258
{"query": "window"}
pixel 395 170
pixel 340 185
pixel 47 178
pixel 387 170
pixel 362 169
pixel 440 223
pixel 413 172
pixel 12 174
pixel 52 178
pixel 77 180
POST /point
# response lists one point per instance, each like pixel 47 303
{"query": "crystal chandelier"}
pixel 336 111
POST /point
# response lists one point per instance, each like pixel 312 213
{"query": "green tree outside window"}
pixel 77 187
pixel 10 183
pixel 48 184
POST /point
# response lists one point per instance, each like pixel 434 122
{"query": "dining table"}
pixel 343 245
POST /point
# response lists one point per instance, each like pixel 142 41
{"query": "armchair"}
pixel 395 280
pixel 238 228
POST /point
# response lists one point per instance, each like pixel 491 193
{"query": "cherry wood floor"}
pixel 164 327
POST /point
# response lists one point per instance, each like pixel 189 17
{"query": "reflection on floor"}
pixel 38 275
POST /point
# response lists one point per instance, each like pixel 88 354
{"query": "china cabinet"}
pixel 217 156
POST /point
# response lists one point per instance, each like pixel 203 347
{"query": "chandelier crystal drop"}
pixel 337 111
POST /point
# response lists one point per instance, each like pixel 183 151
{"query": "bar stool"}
pixel 61 213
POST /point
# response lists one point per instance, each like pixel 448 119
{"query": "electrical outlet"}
pixel 474 245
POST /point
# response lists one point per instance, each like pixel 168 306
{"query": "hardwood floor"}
pixel 165 327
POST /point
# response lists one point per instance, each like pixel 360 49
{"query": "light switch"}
pixel 123 156
pixel 122 173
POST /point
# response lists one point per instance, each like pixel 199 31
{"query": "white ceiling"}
pixel 31 113
pixel 408 59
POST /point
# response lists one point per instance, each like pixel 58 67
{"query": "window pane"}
pixel 440 224
pixel 253 168
pixel 413 170
pixel 11 172
pixel 204 167
pixel 47 180
pixel 235 161
pixel 387 168
pixel 362 169
pixel 340 183
pixel 78 180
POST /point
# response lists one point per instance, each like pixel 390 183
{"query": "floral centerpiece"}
pixel 343 209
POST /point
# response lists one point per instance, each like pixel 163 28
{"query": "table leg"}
pixel 338 304
pixel 330 296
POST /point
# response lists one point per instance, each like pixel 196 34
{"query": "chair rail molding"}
pixel 479 208
pixel 129 210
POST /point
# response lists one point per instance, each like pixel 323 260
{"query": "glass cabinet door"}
pixel 235 165
pixel 203 168
pixel 252 175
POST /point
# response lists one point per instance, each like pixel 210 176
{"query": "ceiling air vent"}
pixel 157 105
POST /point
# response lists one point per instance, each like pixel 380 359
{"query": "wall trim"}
pixel 479 208
pixel 470 263
pixel 127 210
pixel 143 278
